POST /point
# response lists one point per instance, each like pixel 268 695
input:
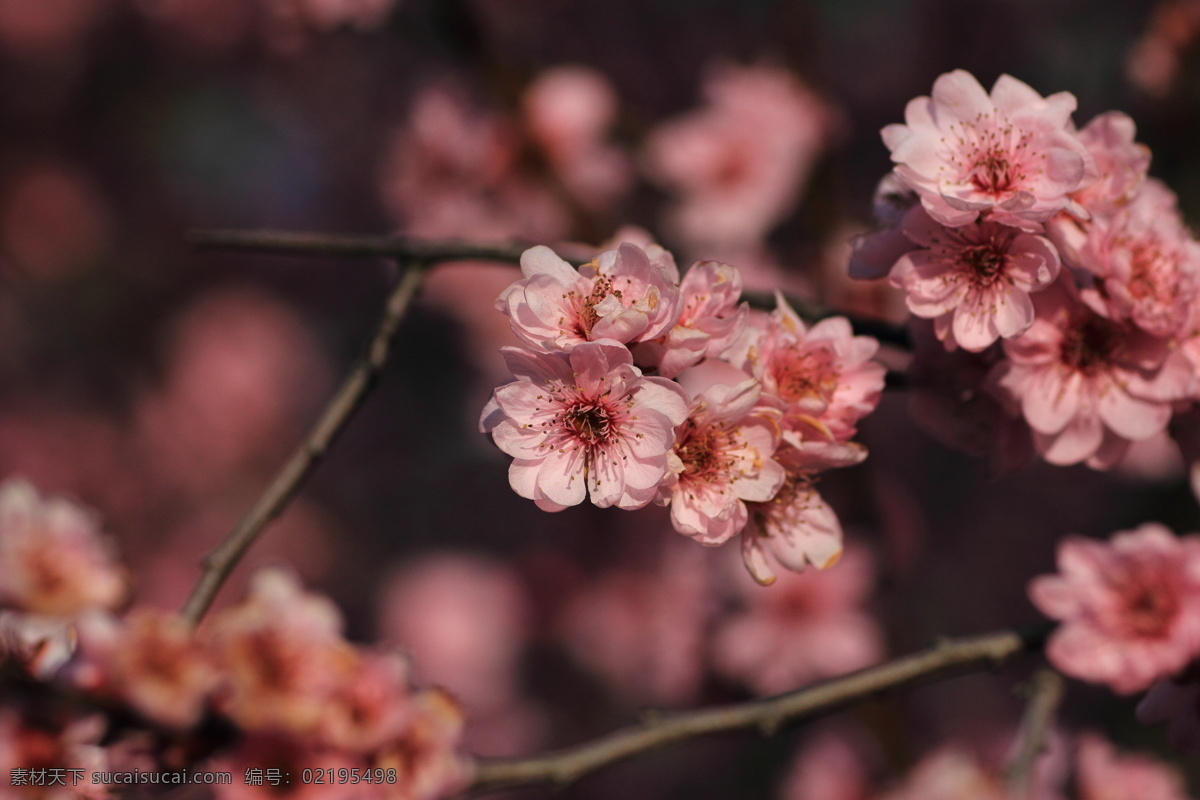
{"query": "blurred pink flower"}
pixel 1011 155
pixel 1104 774
pixel 643 630
pixel 71 743
pixel 949 774
pixel 584 424
pixel 628 294
pixel 53 560
pixel 829 767
pixel 569 110
pixel 724 453
pixel 801 628
pixel 53 221
pixel 974 281
pixel 1130 607
pixel 739 164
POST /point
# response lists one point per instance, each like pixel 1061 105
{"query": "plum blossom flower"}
pixel 973 280
pixel 628 294
pixel 1011 155
pixel 802 628
pixel 1086 384
pixel 709 320
pixel 724 457
pixel 739 163
pixel 823 376
pixel 52 559
pixel 1104 774
pixel 1121 162
pixel 1130 607
pixel 584 424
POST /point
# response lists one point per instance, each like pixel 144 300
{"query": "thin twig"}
pixel 1045 694
pixel 950 656
pixel 319 244
pixel 221 561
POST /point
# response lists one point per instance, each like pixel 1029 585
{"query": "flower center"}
pixel 1090 346
pixel 589 421
pixel 985 262
pixel 1151 608
pixel 993 173
pixel 811 374
pixel 704 452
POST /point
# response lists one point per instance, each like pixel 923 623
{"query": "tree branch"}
pixel 221 561
pixel 1045 693
pixel 948 657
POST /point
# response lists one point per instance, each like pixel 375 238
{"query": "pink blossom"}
pixel 830 767
pixel 823 376
pixel 1011 155
pixel 568 111
pixel 584 423
pixel 973 280
pixel 1121 162
pixel 724 451
pixel 53 560
pixel 1105 774
pixel 426 757
pixel 709 320
pixel 628 294
pixel 369 708
pixel 949 774
pixel 801 628
pixel 68 744
pixel 1130 608
pixel 739 163
pixel 1086 384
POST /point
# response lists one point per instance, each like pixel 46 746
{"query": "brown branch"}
pixel 221 561
pixel 1045 692
pixel 318 244
pixel 948 657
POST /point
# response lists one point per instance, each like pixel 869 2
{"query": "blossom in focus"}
pixel 584 424
pixel 1011 155
pixel 1130 607
pixel 53 560
pixel 724 451
pixel 801 628
pixel 628 294
pixel 974 281
pixel 738 164
pixel 1104 774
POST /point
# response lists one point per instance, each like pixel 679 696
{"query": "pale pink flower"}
pixel 1086 384
pixel 584 424
pixel 709 320
pixel 1175 700
pixel 949 773
pixel 974 281
pixel 644 630
pixel 1104 774
pixel 569 110
pixel 1147 261
pixel 739 164
pixel 281 654
pixel 53 560
pixel 823 376
pixel 628 294
pixel 1011 155
pixel 724 451
pixel 802 628
pixel 150 660
pixel 1122 163
pixel 369 708
pixel 1130 607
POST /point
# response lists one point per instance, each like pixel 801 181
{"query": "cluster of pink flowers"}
pixel 632 387
pixel 1048 251
pixel 270 682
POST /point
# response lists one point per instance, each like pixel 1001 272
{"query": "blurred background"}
pixel 162 387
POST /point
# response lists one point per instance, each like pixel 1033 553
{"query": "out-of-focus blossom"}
pixel 1012 155
pixel 569 110
pixel 1087 384
pixel 1130 607
pixel 644 630
pixel 584 424
pixel 974 281
pixel 453 170
pixel 150 660
pixel 266 751
pixel 53 560
pixel 1154 62
pixel 53 221
pixel 426 758
pixel 71 744
pixel 949 774
pixel 802 628
pixel 626 295
pixel 829 767
pixel 464 620
pixel 724 451
pixel 49 32
pixel 1104 774
pixel 739 164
